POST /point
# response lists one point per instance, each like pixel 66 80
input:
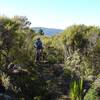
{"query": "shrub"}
pixel 94 91
pixel 76 90
pixel 51 59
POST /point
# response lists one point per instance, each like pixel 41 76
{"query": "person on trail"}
pixel 39 48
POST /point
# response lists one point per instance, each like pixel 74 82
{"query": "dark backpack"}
pixel 39 45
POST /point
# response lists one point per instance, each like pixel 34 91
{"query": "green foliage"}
pixel 76 90
pixel 78 46
pixel 81 51
pixel 5 80
pixel 60 58
pixel 78 64
pixel 94 92
pixel 51 59
pixel 80 37
pixel 91 95
pixel 37 98
pixel 16 37
pixel 52 47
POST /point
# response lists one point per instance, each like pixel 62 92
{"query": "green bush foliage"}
pixel 77 49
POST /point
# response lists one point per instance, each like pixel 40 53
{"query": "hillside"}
pixel 48 31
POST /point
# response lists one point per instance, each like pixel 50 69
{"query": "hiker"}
pixel 39 49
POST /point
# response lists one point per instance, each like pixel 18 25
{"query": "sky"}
pixel 54 13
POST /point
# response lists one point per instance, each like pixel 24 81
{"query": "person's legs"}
pixel 41 54
pixel 38 55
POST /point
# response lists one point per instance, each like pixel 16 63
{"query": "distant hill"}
pixel 48 31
